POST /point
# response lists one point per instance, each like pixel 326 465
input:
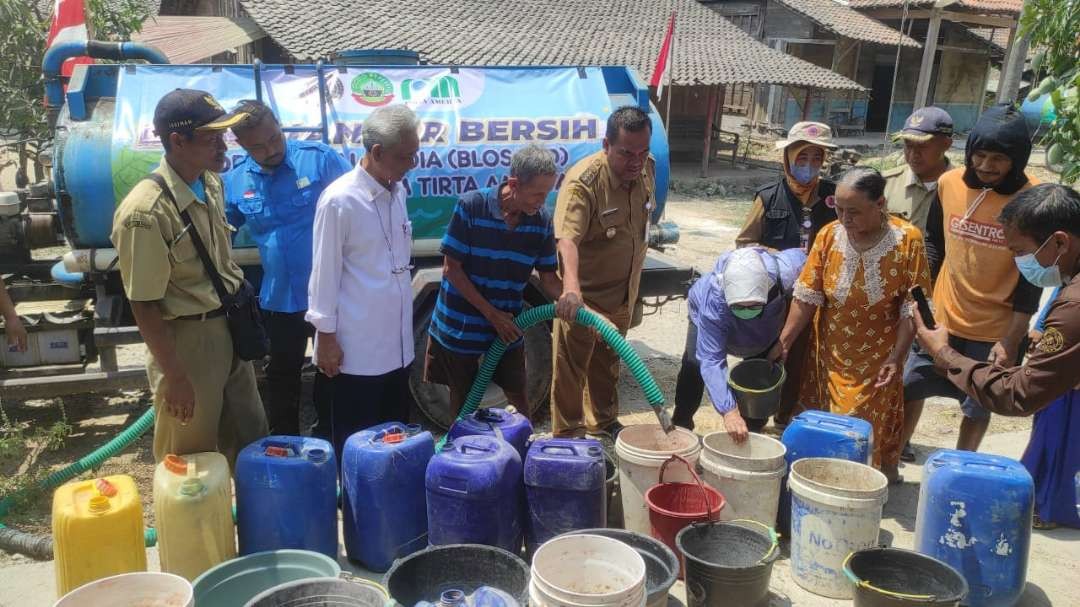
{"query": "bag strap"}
pixel 215 277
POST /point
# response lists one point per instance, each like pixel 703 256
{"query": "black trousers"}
pixel 357 402
pixel 289 334
pixel 690 387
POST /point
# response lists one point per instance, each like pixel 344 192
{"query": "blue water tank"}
pixel 508 425
pixel 564 488
pixel 822 434
pixel 382 490
pixel 975 514
pixel 475 494
pixel 286 495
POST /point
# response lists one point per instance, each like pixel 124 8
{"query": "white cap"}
pixel 746 281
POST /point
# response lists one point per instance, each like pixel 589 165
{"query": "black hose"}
pixel 38 547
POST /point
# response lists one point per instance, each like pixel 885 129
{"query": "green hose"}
pixel 585 317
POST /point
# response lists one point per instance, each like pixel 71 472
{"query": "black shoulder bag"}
pixel 250 341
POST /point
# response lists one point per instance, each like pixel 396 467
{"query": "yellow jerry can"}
pixel 97 531
pixel 193 513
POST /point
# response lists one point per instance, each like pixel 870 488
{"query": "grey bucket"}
pixel 322 592
pixel 661 564
pixel 425 575
pixel 727 563
pixel 891 577
pixel 757 385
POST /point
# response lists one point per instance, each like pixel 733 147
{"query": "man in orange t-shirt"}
pixel 979 295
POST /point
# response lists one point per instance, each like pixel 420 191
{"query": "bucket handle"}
pixel 349 577
pixel 772 535
pixel 697 479
pixel 850 575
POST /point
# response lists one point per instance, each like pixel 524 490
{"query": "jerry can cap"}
pixel 105 488
pixel 176 464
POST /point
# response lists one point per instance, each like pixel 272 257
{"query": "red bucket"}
pixel 673 506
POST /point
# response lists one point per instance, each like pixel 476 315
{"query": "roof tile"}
pixel 708 48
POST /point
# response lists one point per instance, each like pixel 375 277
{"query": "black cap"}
pixel 925 123
pixel 190 110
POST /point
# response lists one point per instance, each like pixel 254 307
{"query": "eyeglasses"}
pixel 402 269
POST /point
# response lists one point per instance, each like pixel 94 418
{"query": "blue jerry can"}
pixel 975 514
pixel 286 495
pixel 564 488
pixel 382 490
pixel 475 494
pixel 506 424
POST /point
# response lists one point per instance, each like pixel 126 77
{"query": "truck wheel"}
pixel 433 400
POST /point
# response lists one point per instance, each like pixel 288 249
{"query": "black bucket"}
pixel 757 385
pixel 727 563
pixel 614 494
pixel 891 577
pixel 425 575
pixel 661 564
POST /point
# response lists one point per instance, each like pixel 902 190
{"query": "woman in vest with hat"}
pixel 788 214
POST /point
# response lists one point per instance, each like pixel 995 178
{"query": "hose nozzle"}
pixel 665 419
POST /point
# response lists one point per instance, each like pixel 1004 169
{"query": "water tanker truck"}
pixel 472 119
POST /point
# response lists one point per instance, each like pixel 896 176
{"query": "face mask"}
pixel 804 174
pixel 1034 271
pixel 747 313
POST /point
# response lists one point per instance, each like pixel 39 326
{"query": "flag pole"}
pixel 671 74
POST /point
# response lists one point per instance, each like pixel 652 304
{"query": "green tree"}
pixel 1054 27
pixel 23 29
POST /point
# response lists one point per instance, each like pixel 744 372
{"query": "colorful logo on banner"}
pixel 372 89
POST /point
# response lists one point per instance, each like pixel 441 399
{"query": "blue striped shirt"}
pixel 498 262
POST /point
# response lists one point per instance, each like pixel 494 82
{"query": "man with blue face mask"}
pixel 739 308
pixel 1042 229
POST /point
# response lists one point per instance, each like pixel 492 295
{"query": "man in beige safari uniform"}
pixel 601 222
pixel 205 396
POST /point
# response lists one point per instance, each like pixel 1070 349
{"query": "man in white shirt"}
pixel 360 293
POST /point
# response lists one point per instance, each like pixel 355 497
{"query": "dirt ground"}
pixel 708 227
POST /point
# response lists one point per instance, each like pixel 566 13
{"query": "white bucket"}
pixel 143 588
pixel 748 475
pixel 587 571
pixel 835 510
pixel 642 449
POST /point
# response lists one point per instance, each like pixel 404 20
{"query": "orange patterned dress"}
pixel 860 299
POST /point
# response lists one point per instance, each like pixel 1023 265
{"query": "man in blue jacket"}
pixel 272 191
pixel 739 308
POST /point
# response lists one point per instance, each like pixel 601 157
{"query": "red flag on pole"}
pixel 662 72
pixel 68 24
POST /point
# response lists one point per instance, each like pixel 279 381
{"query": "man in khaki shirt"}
pixel 911 187
pixel 601 223
pixel 205 396
pixel 910 191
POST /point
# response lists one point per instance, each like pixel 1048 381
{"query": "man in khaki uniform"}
pixel 912 186
pixel 205 396
pixel 910 191
pixel 601 222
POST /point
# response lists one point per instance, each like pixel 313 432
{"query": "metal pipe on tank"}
pixel 104 260
pixel 117 51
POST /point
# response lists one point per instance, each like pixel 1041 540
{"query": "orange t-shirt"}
pixel 973 294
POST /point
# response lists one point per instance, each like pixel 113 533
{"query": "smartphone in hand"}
pixel 924 307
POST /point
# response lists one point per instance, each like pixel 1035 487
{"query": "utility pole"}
pixel 1013 70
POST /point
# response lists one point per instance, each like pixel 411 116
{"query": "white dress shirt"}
pixel 361 287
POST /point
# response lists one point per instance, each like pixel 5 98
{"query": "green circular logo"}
pixel 372 89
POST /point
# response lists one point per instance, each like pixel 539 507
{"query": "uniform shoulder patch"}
pixel 1052 341
pixel 893 172
pixel 138 219
pixel 589 175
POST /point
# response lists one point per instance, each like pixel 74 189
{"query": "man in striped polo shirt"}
pixel 496 238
